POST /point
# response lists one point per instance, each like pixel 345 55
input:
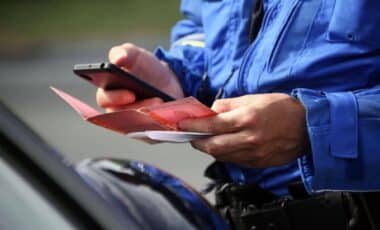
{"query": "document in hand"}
pixel 145 122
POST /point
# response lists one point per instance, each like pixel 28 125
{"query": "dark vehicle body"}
pixel 41 190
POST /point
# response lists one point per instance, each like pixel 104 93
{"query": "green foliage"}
pixel 43 20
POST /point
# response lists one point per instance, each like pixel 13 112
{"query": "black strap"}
pixel 204 93
pixel 256 20
pixel 327 211
pixel 370 206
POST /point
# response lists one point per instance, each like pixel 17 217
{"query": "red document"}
pixel 159 117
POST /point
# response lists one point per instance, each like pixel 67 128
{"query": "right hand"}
pixel 145 65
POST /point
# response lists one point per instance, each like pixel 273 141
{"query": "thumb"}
pixel 124 55
pixel 139 62
pixel 224 105
pixel 228 104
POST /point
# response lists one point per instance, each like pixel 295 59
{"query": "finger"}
pixel 114 98
pixel 139 104
pixel 228 104
pixel 144 65
pixel 221 123
pixel 222 105
pixel 124 55
pixel 224 144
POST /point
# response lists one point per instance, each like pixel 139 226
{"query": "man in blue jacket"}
pixel 301 91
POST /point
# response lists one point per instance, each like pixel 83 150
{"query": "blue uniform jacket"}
pixel 324 52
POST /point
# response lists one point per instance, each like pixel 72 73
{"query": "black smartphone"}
pixel 108 76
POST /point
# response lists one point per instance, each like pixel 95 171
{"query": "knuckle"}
pixel 260 138
pixel 257 140
pixel 241 122
pixel 252 139
pixel 211 148
pixel 217 104
pixel 247 119
pixel 220 106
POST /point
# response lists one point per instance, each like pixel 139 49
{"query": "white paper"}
pixel 169 136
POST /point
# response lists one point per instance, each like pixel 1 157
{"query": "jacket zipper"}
pixel 246 55
pixel 289 20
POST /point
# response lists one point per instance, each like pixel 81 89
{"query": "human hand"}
pixel 121 99
pixel 145 65
pixel 260 130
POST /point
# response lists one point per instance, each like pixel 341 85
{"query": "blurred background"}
pixel 40 42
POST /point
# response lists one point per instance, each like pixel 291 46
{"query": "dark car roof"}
pixel 30 151
pixel 106 193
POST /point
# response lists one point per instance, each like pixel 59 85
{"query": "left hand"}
pixel 261 130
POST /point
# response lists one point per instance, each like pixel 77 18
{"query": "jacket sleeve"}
pixel 344 131
pixel 186 54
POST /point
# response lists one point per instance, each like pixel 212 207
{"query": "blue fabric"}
pixel 325 52
pixel 162 179
pixel 326 170
pixel 343 119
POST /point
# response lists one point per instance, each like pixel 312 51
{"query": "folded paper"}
pixel 164 116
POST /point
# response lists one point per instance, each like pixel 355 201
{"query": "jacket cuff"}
pixel 174 64
pixel 332 126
